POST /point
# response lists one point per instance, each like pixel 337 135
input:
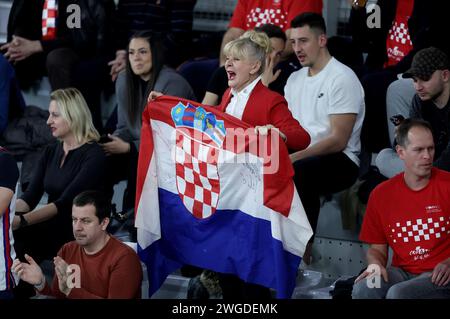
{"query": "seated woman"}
pixel 250 101
pixel 145 71
pixel 9 174
pixel 73 164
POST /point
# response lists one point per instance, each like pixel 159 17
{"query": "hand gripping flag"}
pixel 212 194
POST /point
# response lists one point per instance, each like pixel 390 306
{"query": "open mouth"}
pixel 231 75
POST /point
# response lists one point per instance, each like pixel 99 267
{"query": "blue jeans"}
pixel 402 285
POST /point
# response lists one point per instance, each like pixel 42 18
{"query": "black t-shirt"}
pixel 287 67
pixel 143 85
pixel 218 83
pixel 83 169
pixel 439 120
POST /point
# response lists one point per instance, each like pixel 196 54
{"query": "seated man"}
pixel 403 28
pixel 431 75
pixel 9 174
pixel 95 265
pixel 326 97
pixel 410 214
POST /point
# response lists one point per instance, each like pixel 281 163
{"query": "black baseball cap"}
pixel 425 62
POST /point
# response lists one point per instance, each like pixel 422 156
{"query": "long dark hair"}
pixel 135 97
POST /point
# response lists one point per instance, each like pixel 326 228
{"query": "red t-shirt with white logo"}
pixel 249 14
pixel 415 224
pixel 398 42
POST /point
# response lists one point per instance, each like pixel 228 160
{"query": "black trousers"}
pixel 234 288
pixel 30 70
pixel 322 175
pixel 123 167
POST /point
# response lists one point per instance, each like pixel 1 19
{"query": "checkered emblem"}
pixel 420 230
pixel 197 174
pixel 400 34
pixel 49 15
pixel 258 17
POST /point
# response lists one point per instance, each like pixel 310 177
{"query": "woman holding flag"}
pixel 250 101
pixel 250 258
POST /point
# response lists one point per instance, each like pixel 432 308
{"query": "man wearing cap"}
pixel 430 73
pixel 409 213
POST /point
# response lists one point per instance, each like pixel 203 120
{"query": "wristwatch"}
pixel 23 221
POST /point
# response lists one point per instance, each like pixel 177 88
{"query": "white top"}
pixel 334 90
pixel 239 100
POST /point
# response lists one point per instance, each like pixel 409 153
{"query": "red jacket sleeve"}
pixel 280 116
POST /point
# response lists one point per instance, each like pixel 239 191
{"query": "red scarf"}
pixel 49 15
pixel 398 43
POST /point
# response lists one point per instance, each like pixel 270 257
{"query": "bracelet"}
pixel 40 285
pixel 23 221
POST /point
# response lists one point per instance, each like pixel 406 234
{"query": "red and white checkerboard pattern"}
pixel 258 17
pixel 49 14
pixel 197 176
pixel 421 230
pixel 400 34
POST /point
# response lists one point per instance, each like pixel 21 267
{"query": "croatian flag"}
pixel 213 195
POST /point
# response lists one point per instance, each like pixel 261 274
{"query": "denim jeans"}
pixel 402 285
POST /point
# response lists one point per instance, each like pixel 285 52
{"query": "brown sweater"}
pixel 113 272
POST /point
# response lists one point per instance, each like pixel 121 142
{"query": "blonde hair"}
pixel 74 110
pixel 251 45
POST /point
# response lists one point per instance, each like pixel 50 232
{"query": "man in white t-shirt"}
pixel 326 97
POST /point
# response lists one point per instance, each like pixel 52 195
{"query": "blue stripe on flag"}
pixel 229 241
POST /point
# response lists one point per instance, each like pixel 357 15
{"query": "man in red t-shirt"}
pixel 410 213
pixel 249 14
